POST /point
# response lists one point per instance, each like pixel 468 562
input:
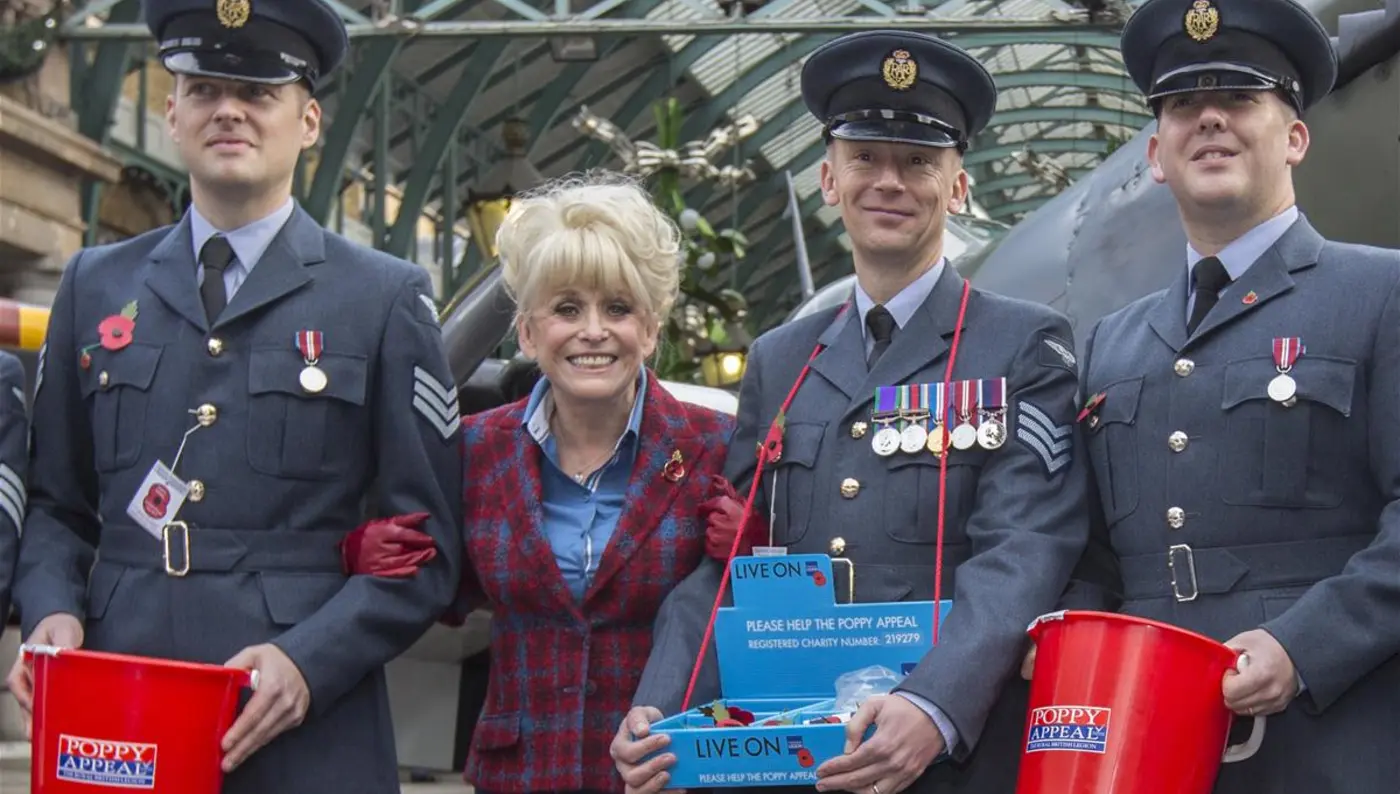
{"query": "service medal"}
pixel 310 344
pixel 964 436
pixel 938 440
pixel 912 438
pixel 1282 388
pixel 992 434
pixel 313 379
pixel 886 441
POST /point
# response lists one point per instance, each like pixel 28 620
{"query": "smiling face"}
pixel 589 343
pixel 1228 152
pixel 894 197
pixel 241 137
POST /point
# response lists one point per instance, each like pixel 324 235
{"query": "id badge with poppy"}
pixel 158 499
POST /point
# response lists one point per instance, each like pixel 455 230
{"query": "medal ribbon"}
pixel 310 344
pixel 940 414
pixel 1286 352
pixel 966 408
pixel 998 398
pixel 918 399
pixel 886 401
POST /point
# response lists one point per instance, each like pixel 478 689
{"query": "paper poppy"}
pixel 804 758
pixel 116 330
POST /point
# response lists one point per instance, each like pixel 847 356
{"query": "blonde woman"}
pixel 582 502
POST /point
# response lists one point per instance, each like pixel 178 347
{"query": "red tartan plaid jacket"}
pixel 563 673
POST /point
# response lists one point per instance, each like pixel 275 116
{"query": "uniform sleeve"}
pixel 14 454
pixel 416 417
pixel 1097 582
pixel 61 528
pixel 1027 529
pixel 1347 625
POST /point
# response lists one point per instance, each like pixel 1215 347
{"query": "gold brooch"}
pixel 1202 21
pixel 899 70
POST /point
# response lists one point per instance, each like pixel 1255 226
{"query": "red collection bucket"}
pixel 1124 705
pixel 105 720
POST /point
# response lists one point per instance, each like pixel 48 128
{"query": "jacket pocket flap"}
pixel 801 443
pixel 1327 381
pixel 1120 402
pixel 497 731
pixel 133 365
pixel 294 597
pixel 277 370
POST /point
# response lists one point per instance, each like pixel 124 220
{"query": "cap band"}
pixel 896 126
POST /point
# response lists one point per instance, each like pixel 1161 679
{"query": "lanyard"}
pixel 771 449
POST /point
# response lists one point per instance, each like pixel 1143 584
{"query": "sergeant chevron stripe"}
pixel 436 403
pixel 12 497
pixel 1050 442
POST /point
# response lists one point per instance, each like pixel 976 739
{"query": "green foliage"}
pixel 701 315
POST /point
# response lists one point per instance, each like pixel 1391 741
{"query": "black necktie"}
pixel 881 325
pixel 215 256
pixel 1210 279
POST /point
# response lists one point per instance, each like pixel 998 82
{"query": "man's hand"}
pixel 1266 682
pixel 278 704
pixel 905 743
pixel 1028 664
pixel 60 630
pixel 627 753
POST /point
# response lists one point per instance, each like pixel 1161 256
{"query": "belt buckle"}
pixel 1190 565
pixel 166 531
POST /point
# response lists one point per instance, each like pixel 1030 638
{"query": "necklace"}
pixel 593 465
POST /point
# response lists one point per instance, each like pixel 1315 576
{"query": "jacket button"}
pixel 858 429
pixel 1176 517
pixel 196 490
pixel 206 415
pixel 837 547
pixel 1184 367
pixel 216 346
pixel 1177 441
pixel 850 487
pixel 103 379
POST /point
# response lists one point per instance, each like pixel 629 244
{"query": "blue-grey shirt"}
pixel 581 516
pixel 903 305
pixel 249 243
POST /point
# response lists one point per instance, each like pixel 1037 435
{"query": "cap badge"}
pixel 899 70
pixel 1202 21
pixel 233 13
pixel 1207 81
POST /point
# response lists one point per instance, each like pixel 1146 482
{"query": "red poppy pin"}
pixel 674 469
pixel 773 442
pixel 115 333
pixel 1250 298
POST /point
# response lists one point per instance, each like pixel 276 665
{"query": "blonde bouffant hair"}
pixel 599 231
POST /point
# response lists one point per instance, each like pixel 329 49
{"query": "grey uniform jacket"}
pixel 1015 517
pixel 14 461
pixel 285 473
pixel 1289 512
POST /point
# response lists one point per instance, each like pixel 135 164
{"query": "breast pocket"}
pixel 1112 432
pixel 1271 453
pixel 307 435
pixel 802 443
pixel 910 503
pixel 119 385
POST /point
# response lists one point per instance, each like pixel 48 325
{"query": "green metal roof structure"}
pixel 429 84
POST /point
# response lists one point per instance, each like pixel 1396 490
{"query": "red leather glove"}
pixel 722 513
pixel 392 547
